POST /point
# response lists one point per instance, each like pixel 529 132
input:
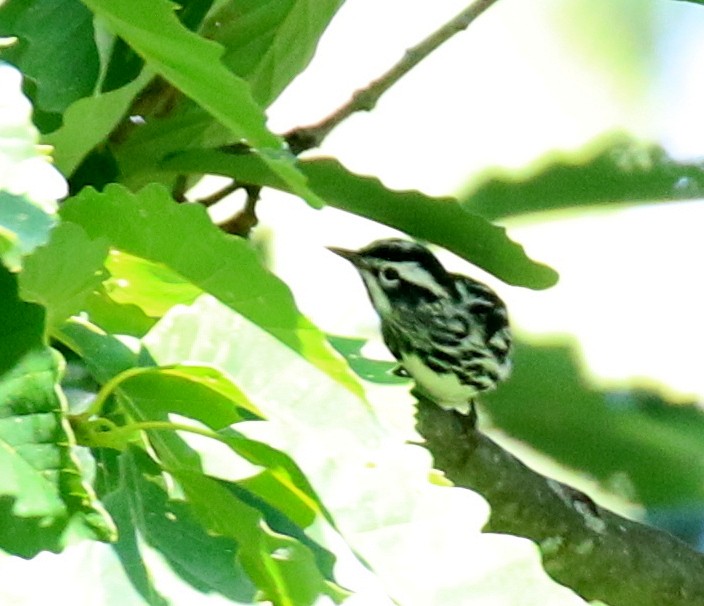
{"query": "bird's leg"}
pixel 469 420
pixel 472 415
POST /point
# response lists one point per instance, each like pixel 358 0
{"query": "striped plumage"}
pixel 450 333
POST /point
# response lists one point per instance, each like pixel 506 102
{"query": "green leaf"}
pixel 105 355
pixel 549 403
pixel 270 42
pixel 279 565
pixel 246 167
pixel 115 318
pixel 281 484
pixel 194 66
pixel 41 485
pixel 57 49
pixel 89 121
pixel 23 227
pixel 151 225
pixel 189 62
pixel 152 287
pixel 198 392
pixel 441 221
pixel 142 507
pixel 376 371
pixel 284 570
pixel 140 155
pixel 22 326
pixel 62 274
pixel 614 169
pixel 438 220
pixel 203 394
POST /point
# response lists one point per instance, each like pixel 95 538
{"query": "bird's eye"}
pixel 389 276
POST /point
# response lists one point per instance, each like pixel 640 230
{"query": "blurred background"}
pixel 608 374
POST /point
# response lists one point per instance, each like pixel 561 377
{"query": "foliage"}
pixel 161 393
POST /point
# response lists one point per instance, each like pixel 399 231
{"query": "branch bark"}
pixel 590 549
pixel 365 99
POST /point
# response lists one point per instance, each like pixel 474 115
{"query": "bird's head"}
pixel 399 271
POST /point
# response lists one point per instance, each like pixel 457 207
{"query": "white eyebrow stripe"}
pixel 412 272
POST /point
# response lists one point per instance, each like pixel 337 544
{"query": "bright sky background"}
pixel 525 78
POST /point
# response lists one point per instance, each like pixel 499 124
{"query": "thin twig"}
pixel 215 197
pixel 244 221
pixel 364 99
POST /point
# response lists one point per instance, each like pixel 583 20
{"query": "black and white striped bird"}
pixel 449 332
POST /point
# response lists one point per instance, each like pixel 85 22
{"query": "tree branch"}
pixel 364 99
pixel 245 220
pixel 592 550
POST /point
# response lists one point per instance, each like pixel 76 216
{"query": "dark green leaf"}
pixel 140 155
pixel 610 170
pixel 245 167
pixel 104 355
pixel 280 494
pixel 270 42
pixel 549 403
pixel 22 326
pixel 192 12
pixel 279 565
pixel 41 485
pixel 62 274
pixel 441 221
pixel 142 505
pixel 182 237
pixel 193 65
pixel 57 48
pixel 284 570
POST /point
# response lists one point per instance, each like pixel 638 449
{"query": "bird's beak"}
pixel 351 255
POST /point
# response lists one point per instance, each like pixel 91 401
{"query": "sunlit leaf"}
pixel 198 392
pixel 151 225
pixel 152 287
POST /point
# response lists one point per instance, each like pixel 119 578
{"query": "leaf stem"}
pixel 365 99
pixel 168 426
pixel 96 406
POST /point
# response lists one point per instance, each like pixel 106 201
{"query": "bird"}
pixel 450 333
